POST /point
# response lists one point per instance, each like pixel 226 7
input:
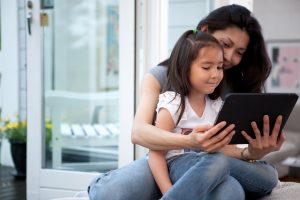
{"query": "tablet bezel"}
pixel 243 108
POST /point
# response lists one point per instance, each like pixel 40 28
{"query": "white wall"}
pixel 9 68
pixel 279 19
pixel 9 60
pixel 185 15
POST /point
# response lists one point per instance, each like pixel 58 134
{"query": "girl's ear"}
pixel 204 28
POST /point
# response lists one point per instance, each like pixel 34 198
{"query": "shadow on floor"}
pixel 10 187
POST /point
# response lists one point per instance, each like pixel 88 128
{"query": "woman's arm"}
pixel 143 132
pixel 157 160
pixel 147 135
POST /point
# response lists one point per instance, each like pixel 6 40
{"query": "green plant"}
pixel 16 131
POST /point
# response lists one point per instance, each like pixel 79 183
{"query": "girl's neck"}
pixel 197 97
pixel 197 102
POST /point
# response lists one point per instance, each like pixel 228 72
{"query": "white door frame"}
pixel 49 183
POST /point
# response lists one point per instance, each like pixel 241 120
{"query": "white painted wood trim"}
pixel 34 104
pixel 126 79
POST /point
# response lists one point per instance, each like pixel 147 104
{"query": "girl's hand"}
pixel 267 142
pixel 204 138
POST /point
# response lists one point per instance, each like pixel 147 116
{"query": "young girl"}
pixel 195 72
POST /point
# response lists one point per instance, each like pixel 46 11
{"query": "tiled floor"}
pixel 10 187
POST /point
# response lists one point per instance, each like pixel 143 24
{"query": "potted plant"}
pixel 16 133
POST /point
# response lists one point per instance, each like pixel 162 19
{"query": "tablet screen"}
pixel 243 108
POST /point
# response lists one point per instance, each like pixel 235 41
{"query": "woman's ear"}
pixel 204 28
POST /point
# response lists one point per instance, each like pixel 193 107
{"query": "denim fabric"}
pixel 258 179
pixel 202 176
pixel 133 181
pixel 230 188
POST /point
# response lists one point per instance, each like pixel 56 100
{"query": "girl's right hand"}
pixel 204 138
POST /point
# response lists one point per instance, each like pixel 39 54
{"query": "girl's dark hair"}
pixel 253 70
pixel 185 51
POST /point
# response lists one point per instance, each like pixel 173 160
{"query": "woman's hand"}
pixel 204 138
pixel 266 142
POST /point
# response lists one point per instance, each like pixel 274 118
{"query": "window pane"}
pixel 81 85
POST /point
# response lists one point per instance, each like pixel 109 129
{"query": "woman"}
pixel 247 67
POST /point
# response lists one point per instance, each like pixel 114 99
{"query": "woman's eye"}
pixel 240 54
pixel 220 67
pixel 226 45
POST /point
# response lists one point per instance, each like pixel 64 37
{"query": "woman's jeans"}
pixel 135 181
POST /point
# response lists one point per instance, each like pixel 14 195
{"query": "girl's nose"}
pixel 215 73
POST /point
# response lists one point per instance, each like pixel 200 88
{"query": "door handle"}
pixel 29 15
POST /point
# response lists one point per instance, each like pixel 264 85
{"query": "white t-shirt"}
pixel 189 119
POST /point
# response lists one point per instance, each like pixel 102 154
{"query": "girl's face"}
pixel 206 71
pixel 234 41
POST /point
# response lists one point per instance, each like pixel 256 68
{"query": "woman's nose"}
pixel 228 55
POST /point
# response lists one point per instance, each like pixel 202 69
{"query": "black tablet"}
pixel 243 108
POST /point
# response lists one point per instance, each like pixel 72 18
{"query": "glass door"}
pixel 81 85
pixel 75 50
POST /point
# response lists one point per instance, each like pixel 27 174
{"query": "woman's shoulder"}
pixel 158 69
pixel 160 73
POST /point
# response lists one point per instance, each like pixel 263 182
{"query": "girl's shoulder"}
pixel 170 97
pixel 170 100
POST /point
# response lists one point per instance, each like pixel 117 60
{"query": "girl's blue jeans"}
pixel 194 176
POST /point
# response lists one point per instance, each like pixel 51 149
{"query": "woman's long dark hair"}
pixel 184 53
pixel 253 70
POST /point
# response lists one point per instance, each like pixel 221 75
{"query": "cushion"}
pixel 284 190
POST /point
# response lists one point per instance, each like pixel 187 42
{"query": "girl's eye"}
pixel 220 67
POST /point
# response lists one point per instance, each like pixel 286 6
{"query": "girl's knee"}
pixel 218 164
pixel 235 189
pixel 221 162
pixel 229 189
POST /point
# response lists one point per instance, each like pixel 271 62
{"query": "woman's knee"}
pixel 268 176
pixel 127 182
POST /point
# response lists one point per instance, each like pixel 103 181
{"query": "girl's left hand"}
pixel 266 142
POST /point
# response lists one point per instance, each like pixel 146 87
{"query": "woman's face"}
pixel 234 41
